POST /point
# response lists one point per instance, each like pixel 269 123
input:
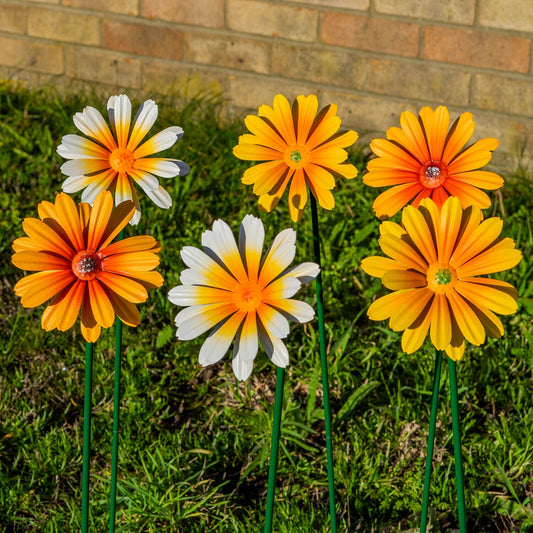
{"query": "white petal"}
pixel 221 246
pixel 164 168
pixel 144 120
pixel 160 197
pixel 251 239
pixel 192 321
pixel 279 256
pixel 208 271
pixel 92 123
pixel 280 355
pixel 274 348
pixel 242 368
pixel 305 272
pixel 145 180
pixel 296 310
pixel 273 321
pixel 247 342
pixel 282 288
pixel 214 348
pixel 79 167
pixel 76 147
pixel 160 141
pixel 119 111
pixel 75 183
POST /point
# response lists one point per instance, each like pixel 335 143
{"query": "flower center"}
pixel 296 156
pixel 247 296
pixel 121 160
pixel 86 265
pixel 433 174
pixel 441 278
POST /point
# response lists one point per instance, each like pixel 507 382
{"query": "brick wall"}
pixel 374 58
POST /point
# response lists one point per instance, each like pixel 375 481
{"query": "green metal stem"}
pixel 116 419
pixel 86 437
pixel 324 367
pixel 276 425
pixel 459 478
pixel 431 441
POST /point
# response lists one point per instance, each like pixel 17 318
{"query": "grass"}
pixel 194 442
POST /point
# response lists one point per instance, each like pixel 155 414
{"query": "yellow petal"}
pixel 496 295
pixel 441 325
pixel 398 280
pixel 377 266
pixel 402 252
pixel 467 320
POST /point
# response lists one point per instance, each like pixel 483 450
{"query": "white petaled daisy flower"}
pixel 232 289
pixel 113 158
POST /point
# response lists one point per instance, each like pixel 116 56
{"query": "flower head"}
pixel 299 144
pixel 113 158
pixel 237 292
pixel 70 251
pixel 435 259
pixel 422 159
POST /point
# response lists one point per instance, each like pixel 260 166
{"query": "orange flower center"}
pixel 86 265
pixel 441 278
pixel 121 160
pixel 247 296
pixel 433 174
pixel 296 156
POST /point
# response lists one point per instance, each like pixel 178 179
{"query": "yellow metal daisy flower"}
pixel 423 159
pixel 231 289
pixel 114 158
pixel 299 144
pixel 436 258
pixel 76 264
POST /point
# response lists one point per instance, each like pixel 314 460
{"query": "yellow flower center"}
pixel 86 265
pixel 433 174
pixel 296 156
pixel 441 278
pixel 247 296
pixel 121 160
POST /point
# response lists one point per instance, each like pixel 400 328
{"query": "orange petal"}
pixel 436 129
pixel 36 289
pixel 461 130
pixel 100 304
pixel 391 201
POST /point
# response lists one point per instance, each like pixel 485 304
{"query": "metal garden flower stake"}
pixel 303 146
pixel 438 258
pixel 244 297
pixel 114 157
pixel 75 263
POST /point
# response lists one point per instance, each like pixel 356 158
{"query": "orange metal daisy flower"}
pixel 70 250
pixel 422 159
pixel 113 158
pixel 434 261
pixel 299 144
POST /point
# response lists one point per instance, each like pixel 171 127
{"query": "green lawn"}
pixel 195 442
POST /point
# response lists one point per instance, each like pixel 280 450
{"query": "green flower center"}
pixel 443 277
pixel 296 156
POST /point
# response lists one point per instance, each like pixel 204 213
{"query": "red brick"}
pixel 183 81
pixel 420 81
pixel 13 18
pixel 361 5
pixel 227 51
pixel 143 39
pixel 207 13
pixel 502 94
pixel 26 54
pixel 273 20
pixel 370 33
pixel 459 11
pixel 477 48
pixel 127 7
pixel 507 14
pixel 63 26
pixel 94 65
pixel 249 92
pixel 333 67
pixel 366 113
